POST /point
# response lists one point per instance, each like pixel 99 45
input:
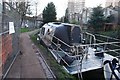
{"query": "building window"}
pixel 43 31
pixel 110 12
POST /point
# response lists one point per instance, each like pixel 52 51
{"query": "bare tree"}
pixel 23 8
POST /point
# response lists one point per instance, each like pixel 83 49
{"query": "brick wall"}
pixel 0 56
pixel 6 47
pixel 0 39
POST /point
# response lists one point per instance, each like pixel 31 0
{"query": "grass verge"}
pixel 22 30
pixel 109 33
pixel 57 69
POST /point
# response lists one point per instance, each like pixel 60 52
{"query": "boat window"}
pixel 75 35
pixel 57 23
pixel 79 28
pixel 43 31
pixel 48 32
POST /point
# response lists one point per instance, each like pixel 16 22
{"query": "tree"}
pixel 66 19
pixel 119 14
pixel 23 8
pixel 74 22
pixel 97 18
pixel 119 20
pixel 49 13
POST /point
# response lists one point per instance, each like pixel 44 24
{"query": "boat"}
pixel 76 50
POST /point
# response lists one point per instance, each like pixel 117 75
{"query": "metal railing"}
pixel 56 44
pixel 89 45
pixel 113 44
pixel 91 36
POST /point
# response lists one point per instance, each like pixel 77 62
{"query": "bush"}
pixel 118 32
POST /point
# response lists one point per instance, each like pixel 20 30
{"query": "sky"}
pixel 61 5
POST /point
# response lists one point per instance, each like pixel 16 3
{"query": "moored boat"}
pixel 75 50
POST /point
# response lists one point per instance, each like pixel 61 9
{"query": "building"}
pixel 116 3
pixel 112 2
pixel 108 3
pixel 75 8
pixel 39 20
pixel 86 15
pixel 111 11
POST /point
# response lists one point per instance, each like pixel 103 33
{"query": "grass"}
pixel 57 69
pixel 109 33
pixel 22 30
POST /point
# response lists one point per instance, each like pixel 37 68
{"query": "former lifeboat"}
pixel 75 50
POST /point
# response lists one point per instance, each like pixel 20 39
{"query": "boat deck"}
pixel 91 63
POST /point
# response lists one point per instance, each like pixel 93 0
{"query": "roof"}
pixel 57 24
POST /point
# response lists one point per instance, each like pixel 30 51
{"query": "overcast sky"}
pixel 61 5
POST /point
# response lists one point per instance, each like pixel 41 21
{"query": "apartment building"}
pixel 75 8
pixel 116 2
pixel 112 2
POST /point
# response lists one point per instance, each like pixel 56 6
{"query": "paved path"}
pixel 26 65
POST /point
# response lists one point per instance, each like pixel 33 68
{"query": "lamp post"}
pixel 36 14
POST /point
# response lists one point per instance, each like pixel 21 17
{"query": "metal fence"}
pixel 10 42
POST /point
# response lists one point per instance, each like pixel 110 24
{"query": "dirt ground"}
pixel 26 64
